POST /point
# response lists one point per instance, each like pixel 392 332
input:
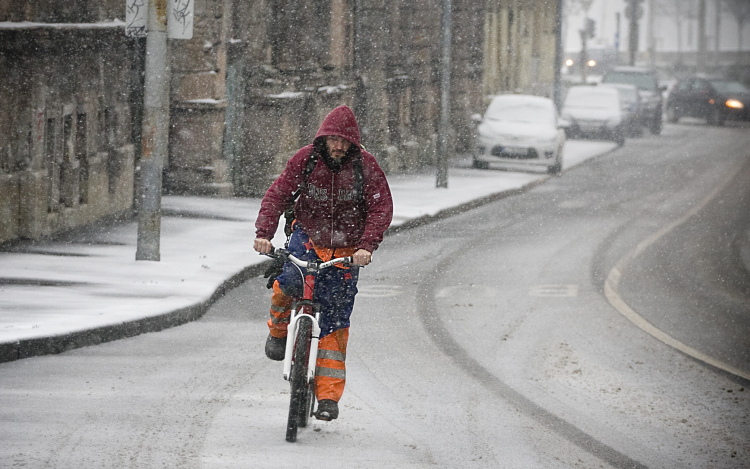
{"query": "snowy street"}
pixel 489 337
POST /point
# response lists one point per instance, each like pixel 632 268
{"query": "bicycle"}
pixel 301 353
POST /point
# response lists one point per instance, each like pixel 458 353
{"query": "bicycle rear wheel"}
pixel 300 388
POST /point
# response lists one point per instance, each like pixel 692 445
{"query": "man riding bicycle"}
pixel 343 209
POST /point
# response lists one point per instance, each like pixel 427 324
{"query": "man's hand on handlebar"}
pixel 262 245
pixel 362 257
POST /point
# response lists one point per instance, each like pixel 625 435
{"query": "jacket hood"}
pixel 340 122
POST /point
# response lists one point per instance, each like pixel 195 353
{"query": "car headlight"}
pixel 735 104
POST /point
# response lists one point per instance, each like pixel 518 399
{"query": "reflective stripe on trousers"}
pixel 280 312
pixel 330 375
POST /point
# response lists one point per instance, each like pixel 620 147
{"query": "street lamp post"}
pixel 155 132
pixel 441 179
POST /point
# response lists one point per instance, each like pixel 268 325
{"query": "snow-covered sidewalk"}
pixel 79 291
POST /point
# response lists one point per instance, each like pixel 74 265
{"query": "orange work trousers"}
pixel 330 374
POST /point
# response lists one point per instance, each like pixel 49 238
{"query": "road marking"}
pixel 614 276
pixel 482 291
pixel 378 291
pixel 554 290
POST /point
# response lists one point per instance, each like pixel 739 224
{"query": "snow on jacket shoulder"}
pixel 328 209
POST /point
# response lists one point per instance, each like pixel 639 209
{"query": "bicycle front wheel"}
pixel 300 388
pixel 307 408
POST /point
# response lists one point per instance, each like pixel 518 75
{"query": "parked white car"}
pixel 594 112
pixel 521 130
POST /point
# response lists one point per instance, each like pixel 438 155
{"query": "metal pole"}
pixel 155 132
pixel 617 35
pixel 584 56
pixel 445 85
pixel 702 35
pixel 651 41
pixel 557 91
pixel 717 31
pixel 633 34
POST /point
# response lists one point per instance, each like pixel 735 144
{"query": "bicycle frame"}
pixel 297 314
pixel 302 381
pixel 300 308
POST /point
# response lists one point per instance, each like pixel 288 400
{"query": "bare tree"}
pixel 740 9
pixel 573 8
pixel 678 11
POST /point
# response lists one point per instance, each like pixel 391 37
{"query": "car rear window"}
pixel 723 86
pixel 520 110
pixel 594 98
pixel 643 81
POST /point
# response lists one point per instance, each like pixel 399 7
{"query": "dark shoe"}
pixel 327 410
pixel 275 348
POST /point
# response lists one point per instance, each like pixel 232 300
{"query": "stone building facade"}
pixel 249 89
pixel 66 148
pixel 259 76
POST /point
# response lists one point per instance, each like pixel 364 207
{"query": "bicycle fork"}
pixel 297 314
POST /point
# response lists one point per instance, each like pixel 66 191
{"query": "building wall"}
pixel 248 90
pixel 66 152
pixel 288 63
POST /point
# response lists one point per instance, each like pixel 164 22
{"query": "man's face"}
pixel 337 146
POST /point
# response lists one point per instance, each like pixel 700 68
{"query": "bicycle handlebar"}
pixel 313 265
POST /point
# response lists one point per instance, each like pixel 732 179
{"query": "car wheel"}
pixel 635 130
pixel 656 124
pixel 716 117
pixel 619 138
pixel 555 168
pixel 672 115
pixel 481 164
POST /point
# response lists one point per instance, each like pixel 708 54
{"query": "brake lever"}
pixel 276 253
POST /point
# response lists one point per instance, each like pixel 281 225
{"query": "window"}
pixel 52 165
pixel 700 86
pixel 67 165
pixel 684 85
pixel 82 157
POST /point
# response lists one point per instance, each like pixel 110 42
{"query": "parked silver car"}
pixel 520 130
pixel 648 87
pixel 594 112
pixel 632 106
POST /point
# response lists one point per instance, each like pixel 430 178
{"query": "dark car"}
pixel 648 87
pixel 713 99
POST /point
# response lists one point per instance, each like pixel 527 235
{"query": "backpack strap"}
pixel 312 160
pixel 359 177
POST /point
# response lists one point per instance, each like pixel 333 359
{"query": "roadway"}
pixel 482 340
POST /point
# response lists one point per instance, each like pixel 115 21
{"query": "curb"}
pixel 465 207
pixel 12 351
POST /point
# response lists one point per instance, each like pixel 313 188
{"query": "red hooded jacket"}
pixel 327 209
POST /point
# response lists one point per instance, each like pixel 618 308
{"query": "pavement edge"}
pixel 27 348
